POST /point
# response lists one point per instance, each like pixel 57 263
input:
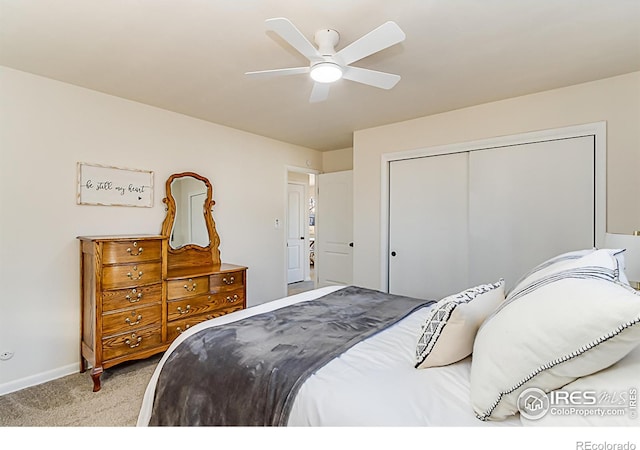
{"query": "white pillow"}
pixel 557 325
pixel 606 398
pixel 450 329
pixel 619 254
pixel 553 264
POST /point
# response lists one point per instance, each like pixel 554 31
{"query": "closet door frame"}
pixel 597 129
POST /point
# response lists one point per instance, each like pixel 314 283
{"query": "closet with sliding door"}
pixel 465 215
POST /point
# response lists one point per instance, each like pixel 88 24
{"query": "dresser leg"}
pixel 96 372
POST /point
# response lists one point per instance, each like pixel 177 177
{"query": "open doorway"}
pixel 300 231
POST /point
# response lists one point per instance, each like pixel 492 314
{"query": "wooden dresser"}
pixel 199 285
pixel 122 300
pixel 139 293
pixel 195 296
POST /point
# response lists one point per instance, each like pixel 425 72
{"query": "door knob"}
pixel 350 244
pixel 393 253
pixel 302 237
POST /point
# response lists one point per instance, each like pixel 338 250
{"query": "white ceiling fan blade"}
pixel 374 78
pixel 384 36
pixel 320 92
pixel 288 31
pixel 277 72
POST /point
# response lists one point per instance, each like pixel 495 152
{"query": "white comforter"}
pixel 372 384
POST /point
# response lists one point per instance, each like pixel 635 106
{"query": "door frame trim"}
pixel 283 234
pixel 596 129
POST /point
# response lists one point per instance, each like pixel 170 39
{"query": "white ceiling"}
pixel 190 56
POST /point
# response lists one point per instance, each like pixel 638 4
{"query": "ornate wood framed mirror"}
pixel 189 224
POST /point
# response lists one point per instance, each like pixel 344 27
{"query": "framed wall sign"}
pixel 114 186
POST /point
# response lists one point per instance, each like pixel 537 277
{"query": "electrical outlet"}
pixel 6 355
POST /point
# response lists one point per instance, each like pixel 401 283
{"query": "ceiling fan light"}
pixel 326 72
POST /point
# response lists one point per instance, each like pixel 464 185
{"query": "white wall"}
pixel 46 127
pixel 337 160
pixel 614 100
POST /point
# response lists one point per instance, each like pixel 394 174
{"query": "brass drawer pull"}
pixel 180 330
pixel 192 288
pixel 139 274
pixel 135 299
pixel 232 300
pixel 139 251
pixel 185 311
pixel 229 281
pixel 137 342
pixel 138 319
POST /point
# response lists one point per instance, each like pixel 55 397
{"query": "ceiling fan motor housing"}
pixel 327 39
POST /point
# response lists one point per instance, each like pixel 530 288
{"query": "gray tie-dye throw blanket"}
pixel 247 373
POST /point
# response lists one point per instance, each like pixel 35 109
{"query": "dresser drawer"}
pixel 127 343
pixel 187 287
pixel 131 319
pixel 231 299
pixel 131 275
pixel 124 298
pixel 227 281
pixel 189 307
pixel 131 251
pixel 177 327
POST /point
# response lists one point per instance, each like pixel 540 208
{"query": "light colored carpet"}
pixel 70 401
pixel 302 286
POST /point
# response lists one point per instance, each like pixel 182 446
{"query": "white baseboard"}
pixel 40 378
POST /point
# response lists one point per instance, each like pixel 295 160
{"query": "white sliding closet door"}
pixel 462 219
pixel 527 203
pixel 428 227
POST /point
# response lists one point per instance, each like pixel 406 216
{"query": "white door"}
pixel 459 220
pixel 428 228
pixel 334 232
pixel 534 200
pixel 295 233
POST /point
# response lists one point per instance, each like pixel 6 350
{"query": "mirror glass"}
pixel 189 226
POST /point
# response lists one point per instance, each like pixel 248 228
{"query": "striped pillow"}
pixel 559 324
pixel 552 265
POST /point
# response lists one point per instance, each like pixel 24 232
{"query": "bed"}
pixel 482 357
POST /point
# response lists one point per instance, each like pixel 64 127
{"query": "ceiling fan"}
pixel 326 65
